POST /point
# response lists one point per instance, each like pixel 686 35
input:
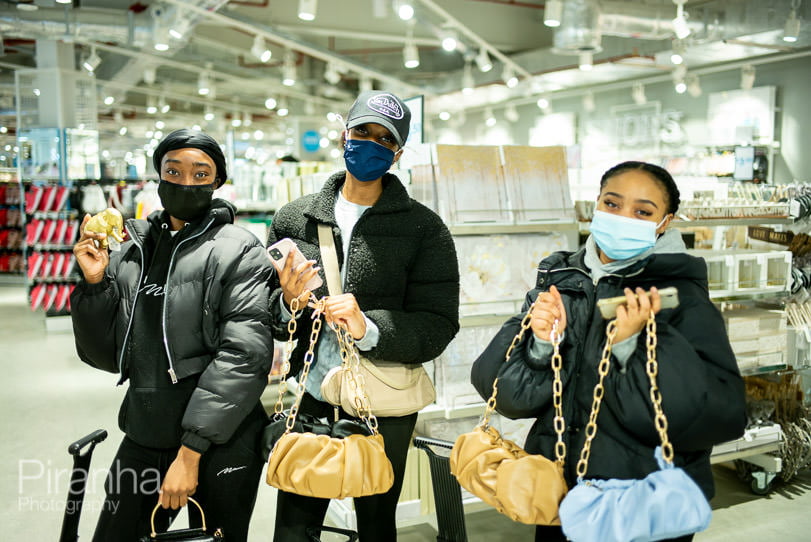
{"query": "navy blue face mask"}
pixel 367 160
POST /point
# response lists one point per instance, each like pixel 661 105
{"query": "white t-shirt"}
pixel 347 215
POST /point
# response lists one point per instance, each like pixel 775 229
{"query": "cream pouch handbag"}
pixel 394 389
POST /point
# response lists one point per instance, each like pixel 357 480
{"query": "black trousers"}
pixel 555 534
pixel 228 481
pixel 376 513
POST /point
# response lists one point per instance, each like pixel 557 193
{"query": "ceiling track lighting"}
pixel 163 105
pixel 203 84
pixel 365 84
pixel 791 32
pixel 680 26
pixel 511 113
pixel 260 50
pixel 467 79
pixel 747 77
pixel 542 103
pixel 289 70
pixel 638 94
pixel 449 41
pixel 693 85
pixel 332 74
pixel 678 52
pixel 489 117
pixel 283 110
pixel 307 9
pixel 586 62
pixel 209 113
pixel 180 27
pixel 483 61
pixel 411 56
pixel 404 10
pixel 509 77
pixel 553 13
pixel 92 61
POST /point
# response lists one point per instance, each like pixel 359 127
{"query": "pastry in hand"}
pixel 109 222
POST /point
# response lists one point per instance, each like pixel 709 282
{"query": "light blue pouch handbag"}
pixel 665 504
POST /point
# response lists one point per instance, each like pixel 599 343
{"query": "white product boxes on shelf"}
pixel 759 337
pixel 746 272
pixel 452 368
pixel 488 184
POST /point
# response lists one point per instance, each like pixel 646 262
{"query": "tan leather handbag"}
pixel 525 487
pixel 323 466
pixel 394 389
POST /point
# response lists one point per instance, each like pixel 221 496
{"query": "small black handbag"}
pixel 197 534
pixel 307 423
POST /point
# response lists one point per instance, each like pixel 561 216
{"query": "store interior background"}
pixel 135 91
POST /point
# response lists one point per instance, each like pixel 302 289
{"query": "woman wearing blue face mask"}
pixel 400 280
pixel 630 252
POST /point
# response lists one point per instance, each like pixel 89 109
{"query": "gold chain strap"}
pixel 652 368
pixel 350 360
pixel 557 384
pixel 597 398
pixel 308 361
pixel 292 325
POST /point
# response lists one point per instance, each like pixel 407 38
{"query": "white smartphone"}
pixel 608 306
pixel 286 248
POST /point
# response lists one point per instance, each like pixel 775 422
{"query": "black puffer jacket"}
pixel 215 316
pixel 402 270
pixel 702 390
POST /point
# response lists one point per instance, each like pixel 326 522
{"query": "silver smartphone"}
pixel 608 306
pixel 285 248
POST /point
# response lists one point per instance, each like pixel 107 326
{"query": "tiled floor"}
pixel 50 398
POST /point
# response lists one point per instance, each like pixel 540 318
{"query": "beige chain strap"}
pixel 652 368
pixel 557 384
pixel 597 398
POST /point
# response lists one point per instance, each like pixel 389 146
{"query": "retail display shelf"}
pixel 498 229
pixel 434 411
pixel 766 448
pixel 763 370
pixel 483 320
pixel 745 221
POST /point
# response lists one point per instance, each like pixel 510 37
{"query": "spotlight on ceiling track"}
pixel 792 29
pixel 307 9
pixel 553 12
pixel 680 26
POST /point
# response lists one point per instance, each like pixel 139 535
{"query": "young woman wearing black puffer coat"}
pixel 630 251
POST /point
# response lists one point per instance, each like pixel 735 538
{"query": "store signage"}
pixel 310 140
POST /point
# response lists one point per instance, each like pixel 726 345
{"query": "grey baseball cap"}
pixel 382 108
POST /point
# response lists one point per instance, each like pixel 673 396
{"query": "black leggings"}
pixel 376 513
pixel 228 481
pixel 555 534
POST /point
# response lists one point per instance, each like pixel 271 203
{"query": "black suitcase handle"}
pixel 78 482
pixel 93 438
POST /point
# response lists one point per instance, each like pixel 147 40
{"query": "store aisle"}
pixel 50 399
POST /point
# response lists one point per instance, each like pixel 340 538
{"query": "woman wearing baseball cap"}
pixel 179 312
pixel 400 281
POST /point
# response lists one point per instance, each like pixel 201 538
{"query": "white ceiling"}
pixel 368 49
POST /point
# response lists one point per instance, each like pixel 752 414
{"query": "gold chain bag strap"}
pixel 525 487
pixel 324 465
pixel 665 504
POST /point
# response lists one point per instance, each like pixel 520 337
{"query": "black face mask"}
pixel 186 202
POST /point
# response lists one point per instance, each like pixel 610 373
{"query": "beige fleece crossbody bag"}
pixel 394 389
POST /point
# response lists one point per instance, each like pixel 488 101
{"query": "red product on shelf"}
pixel 58 237
pixel 50 296
pixel 32 199
pixel 47 264
pixel 4 238
pixel 48 232
pixel 32 232
pixel 47 200
pixel 3 188
pixel 5 263
pixel 34 263
pixel 57 265
pixel 68 264
pixel 62 297
pixel 4 217
pixel 71 232
pixel 37 296
pixel 60 198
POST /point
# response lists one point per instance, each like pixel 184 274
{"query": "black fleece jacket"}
pixel 215 318
pixel 702 390
pixel 402 270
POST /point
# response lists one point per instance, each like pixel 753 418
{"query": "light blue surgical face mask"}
pixel 622 238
